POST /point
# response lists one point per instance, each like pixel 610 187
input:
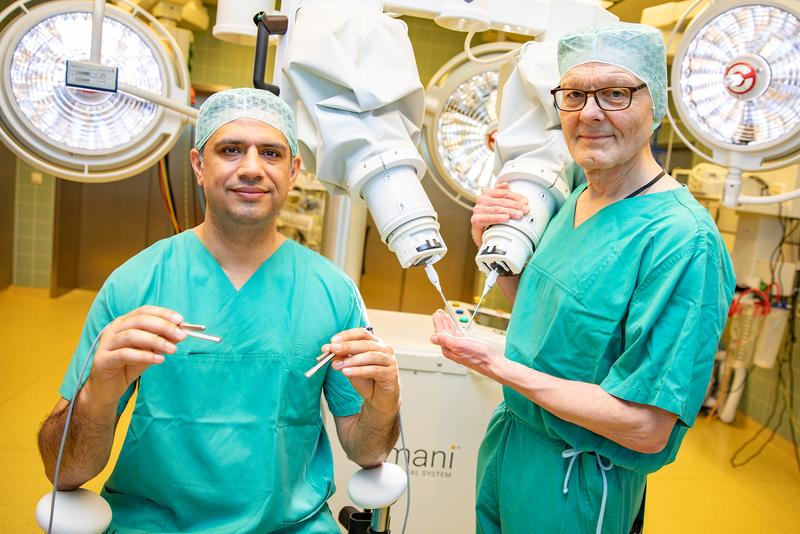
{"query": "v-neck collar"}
pixel 583 187
pixel 221 272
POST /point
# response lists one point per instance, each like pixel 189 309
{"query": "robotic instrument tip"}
pixel 491 279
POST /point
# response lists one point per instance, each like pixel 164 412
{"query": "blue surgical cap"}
pixel 244 103
pixel 636 48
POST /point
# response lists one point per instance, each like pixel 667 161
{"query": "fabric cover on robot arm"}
pixel 528 124
pixel 351 76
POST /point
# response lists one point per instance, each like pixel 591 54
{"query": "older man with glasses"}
pixel 616 317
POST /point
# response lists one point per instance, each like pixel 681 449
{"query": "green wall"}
pixel 33 227
pixel 217 63
pixel 761 390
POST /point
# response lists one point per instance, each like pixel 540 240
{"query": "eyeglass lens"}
pixel 609 99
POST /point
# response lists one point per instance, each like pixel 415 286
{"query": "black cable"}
pixel 764 185
pixel 787 346
pixel 776 258
pixel 763 446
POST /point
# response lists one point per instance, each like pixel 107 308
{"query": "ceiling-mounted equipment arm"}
pixel 98 13
pixel 267 25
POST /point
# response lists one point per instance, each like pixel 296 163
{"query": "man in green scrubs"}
pixel 227 437
pixel 616 317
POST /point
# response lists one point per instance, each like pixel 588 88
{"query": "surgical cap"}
pixel 636 48
pixel 244 103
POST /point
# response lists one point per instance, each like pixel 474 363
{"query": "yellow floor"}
pixel 699 493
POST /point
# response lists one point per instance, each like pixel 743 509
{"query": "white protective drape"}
pixel 528 124
pixel 351 76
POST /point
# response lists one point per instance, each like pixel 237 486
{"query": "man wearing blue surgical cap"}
pixel 227 437
pixel 616 317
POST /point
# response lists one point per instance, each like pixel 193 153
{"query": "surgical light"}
pixel 464 131
pixel 461 124
pixel 728 89
pixel 81 120
pixel 736 87
pixel 111 121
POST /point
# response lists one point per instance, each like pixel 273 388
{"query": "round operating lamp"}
pixel 736 81
pixel 81 134
pixel 461 123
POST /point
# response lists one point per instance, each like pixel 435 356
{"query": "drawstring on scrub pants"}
pixel 572 455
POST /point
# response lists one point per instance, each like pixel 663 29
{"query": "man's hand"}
pixel 495 206
pixel 476 354
pixel 129 345
pixel 370 365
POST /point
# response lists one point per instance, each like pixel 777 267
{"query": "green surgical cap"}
pixel 636 48
pixel 244 103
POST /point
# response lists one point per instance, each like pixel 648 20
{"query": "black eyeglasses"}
pixel 607 98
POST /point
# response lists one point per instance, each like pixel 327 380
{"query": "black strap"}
pixel 647 185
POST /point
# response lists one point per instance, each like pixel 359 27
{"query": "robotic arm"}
pixel 531 156
pixel 349 72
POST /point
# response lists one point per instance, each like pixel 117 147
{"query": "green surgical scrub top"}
pixel 228 437
pixel 635 300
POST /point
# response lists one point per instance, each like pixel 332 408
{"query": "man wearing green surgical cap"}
pixel 616 317
pixel 227 437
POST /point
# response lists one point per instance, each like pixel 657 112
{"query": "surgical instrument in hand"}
pixel 325 357
pixel 194 330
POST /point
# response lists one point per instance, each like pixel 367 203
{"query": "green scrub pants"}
pixel 529 482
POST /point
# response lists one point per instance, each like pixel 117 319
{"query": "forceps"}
pixel 194 330
pixel 324 358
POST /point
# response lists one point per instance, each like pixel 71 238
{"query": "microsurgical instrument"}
pixel 324 358
pixel 434 278
pixel 194 330
pixel 491 278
